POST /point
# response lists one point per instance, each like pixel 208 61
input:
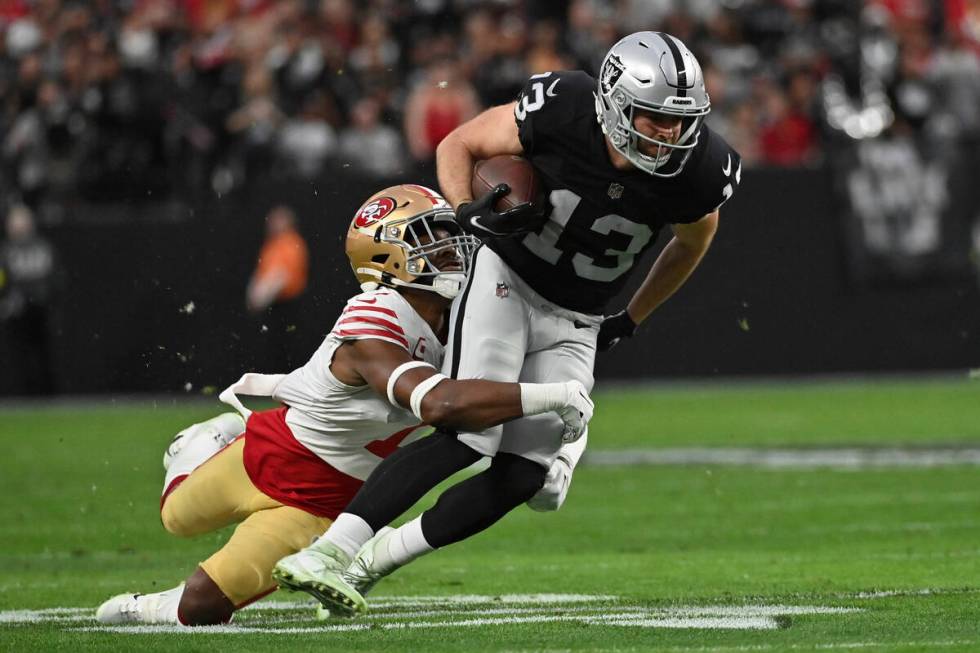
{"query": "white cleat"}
pixel 158 608
pixel 121 609
pixel 210 436
pixel 363 574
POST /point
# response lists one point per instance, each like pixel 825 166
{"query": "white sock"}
pixel 348 533
pixel 401 546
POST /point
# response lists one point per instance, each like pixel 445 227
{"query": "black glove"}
pixel 614 328
pixel 479 219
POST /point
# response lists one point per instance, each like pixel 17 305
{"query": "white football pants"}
pixel 502 330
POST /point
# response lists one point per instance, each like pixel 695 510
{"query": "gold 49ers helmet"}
pixel 407 236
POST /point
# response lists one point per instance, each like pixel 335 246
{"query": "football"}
pixel 515 171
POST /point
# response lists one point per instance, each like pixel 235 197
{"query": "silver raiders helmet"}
pixel 656 72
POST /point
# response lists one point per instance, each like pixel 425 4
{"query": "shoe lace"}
pixel 360 575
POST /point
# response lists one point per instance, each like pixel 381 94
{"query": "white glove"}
pixel 552 494
pixel 577 411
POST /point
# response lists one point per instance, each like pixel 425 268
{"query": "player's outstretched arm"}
pixel 471 405
pixel 491 133
pixel 669 272
pixel 674 265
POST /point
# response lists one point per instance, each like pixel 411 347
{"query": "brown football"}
pixel 515 171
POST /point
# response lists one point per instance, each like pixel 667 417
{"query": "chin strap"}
pixel 447 284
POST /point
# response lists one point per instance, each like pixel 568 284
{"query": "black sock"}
pixel 478 502
pixel 406 475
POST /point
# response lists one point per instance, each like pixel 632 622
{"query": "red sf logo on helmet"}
pixel 373 211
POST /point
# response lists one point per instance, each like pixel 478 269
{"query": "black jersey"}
pixel 602 218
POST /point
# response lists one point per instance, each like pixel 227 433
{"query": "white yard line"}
pixel 782 458
pixel 627 620
pixel 470 611
pixel 515 604
pixel 519 599
pixel 707 623
pixel 465 610
pixel 473 611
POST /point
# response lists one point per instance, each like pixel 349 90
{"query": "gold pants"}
pixel 219 493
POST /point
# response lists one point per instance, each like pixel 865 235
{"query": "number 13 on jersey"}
pixel 545 244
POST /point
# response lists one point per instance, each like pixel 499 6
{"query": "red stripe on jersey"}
pixel 379 309
pixel 382 333
pixel 384 448
pixel 377 321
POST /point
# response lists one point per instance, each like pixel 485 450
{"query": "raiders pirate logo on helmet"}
pixel 611 72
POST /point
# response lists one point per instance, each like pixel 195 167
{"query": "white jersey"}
pixel 337 421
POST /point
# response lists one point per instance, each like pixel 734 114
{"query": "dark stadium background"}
pixel 150 138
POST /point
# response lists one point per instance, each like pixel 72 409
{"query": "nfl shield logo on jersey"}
pixel 615 190
pixel 502 289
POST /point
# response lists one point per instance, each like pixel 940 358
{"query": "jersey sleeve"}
pixel 371 315
pixel 718 174
pixel 549 102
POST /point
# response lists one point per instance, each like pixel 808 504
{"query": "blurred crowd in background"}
pixel 112 99
pixel 127 111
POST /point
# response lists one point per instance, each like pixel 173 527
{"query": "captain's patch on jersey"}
pixel 371 213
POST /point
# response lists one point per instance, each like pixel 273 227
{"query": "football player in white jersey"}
pixel 285 474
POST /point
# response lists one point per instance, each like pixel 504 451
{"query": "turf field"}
pixel 830 547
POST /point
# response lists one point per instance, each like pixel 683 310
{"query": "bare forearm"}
pixel 669 272
pixel 491 133
pixel 454 166
pixel 472 405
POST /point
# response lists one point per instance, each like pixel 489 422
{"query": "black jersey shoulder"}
pixel 710 178
pixel 552 102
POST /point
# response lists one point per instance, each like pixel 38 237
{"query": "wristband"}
pixel 537 398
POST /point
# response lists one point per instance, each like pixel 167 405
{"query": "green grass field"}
pixel 642 557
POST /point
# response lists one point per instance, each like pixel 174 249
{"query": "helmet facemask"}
pixel 438 262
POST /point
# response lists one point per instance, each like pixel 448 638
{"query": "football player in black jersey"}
pixel 621 157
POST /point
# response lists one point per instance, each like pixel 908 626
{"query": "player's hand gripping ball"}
pixel 509 199
pixel 481 220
